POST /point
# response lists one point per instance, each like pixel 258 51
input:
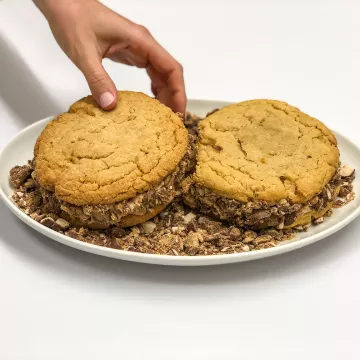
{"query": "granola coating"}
pixel 257 215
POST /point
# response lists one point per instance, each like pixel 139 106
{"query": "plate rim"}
pixel 200 260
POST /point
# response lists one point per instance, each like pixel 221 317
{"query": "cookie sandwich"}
pixel 98 168
pixel 264 164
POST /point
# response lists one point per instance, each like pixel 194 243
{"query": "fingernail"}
pixel 106 99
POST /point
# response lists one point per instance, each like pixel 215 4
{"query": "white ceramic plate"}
pixel 20 150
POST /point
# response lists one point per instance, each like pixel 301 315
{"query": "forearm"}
pixel 45 6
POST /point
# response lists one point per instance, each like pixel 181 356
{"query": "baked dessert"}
pixel 177 231
pixel 122 167
pixel 262 164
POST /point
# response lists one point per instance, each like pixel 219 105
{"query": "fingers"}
pixel 167 77
pixel 165 72
pixel 102 87
pixel 164 87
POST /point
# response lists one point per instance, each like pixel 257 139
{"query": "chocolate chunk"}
pixel 191 243
pixel 191 226
pixel 148 227
pixel 339 203
pixel 235 233
pixel 138 242
pixel 118 232
pixel 50 202
pixel 258 216
pixel 346 171
pixel 211 226
pixel 249 236
pixel 329 213
pixel 40 217
pixel 61 224
pixel 299 228
pixel 203 220
pixel 33 200
pixel 273 221
pixel 19 174
pixel 37 215
pixel 189 217
pixel 345 190
pixel 319 204
pixel 263 239
pixel 328 194
pixel 295 207
pixel 319 221
pixel 273 233
pixel 168 220
pixel 245 248
pixel 314 200
pixel 263 219
pixel 48 222
pixel 290 218
pixel 75 234
pixel 239 221
pixel 29 183
pixel 336 180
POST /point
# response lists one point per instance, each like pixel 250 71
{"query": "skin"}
pixel 87 31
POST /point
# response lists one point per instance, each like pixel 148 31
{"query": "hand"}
pixel 88 31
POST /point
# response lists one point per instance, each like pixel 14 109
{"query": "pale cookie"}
pixel 264 150
pixel 88 156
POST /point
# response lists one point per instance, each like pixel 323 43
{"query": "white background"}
pixel 60 303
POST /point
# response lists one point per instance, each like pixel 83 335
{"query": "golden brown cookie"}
pixel 88 156
pixel 265 150
pixel 264 163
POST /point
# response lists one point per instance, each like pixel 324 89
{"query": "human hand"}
pixel 88 32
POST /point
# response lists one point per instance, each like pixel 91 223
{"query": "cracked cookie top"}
pixel 265 150
pixel 88 156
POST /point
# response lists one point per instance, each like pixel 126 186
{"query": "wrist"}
pixel 50 8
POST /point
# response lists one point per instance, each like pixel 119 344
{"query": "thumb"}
pixel 102 87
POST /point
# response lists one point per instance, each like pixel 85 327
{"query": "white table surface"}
pixel 60 303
